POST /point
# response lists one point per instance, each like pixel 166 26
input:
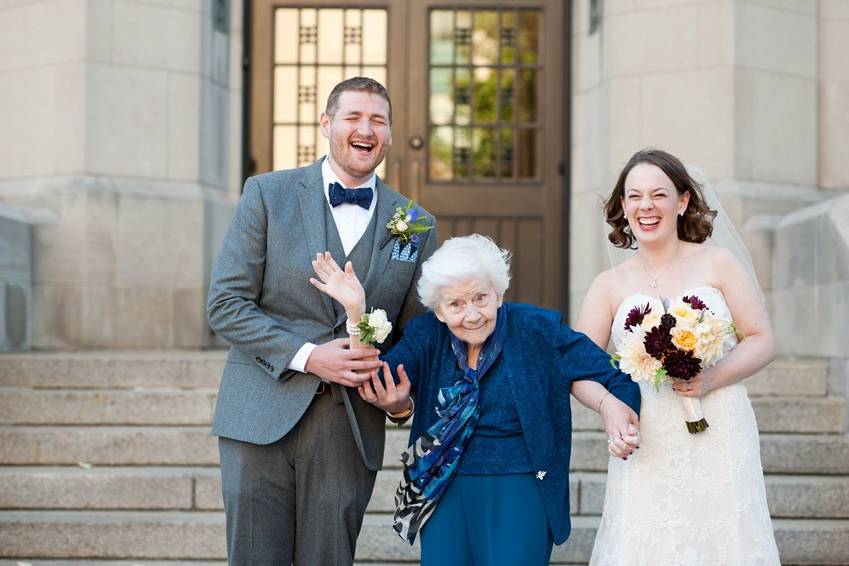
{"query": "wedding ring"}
pixel 610 440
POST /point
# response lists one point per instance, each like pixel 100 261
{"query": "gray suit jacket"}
pixel 261 302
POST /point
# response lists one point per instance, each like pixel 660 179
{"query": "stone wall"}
pixel 123 118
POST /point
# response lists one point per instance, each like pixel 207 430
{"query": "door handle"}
pixel 396 174
pixel 415 179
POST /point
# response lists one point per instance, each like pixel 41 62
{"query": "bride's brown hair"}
pixel 695 225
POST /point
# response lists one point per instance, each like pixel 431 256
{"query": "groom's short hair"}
pixel 364 84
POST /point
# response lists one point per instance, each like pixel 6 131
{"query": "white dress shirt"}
pixel 351 222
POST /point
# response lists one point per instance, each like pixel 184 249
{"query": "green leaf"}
pixel 614 360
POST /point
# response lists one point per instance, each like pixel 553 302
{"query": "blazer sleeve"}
pixel 410 350
pixel 581 358
pixel 235 289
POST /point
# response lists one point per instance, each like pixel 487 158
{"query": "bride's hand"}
pixel 622 426
pixel 338 284
pixel 696 386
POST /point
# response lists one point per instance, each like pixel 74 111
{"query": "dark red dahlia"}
pixel 636 316
pixel 667 321
pixel 657 341
pixel 681 364
pixel 695 302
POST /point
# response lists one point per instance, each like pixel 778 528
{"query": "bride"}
pixel 682 499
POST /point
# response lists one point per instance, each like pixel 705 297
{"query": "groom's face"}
pixel 359 134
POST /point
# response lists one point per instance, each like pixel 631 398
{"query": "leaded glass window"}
pixel 483 86
pixel 314 49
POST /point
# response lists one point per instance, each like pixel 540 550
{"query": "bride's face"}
pixel 652 204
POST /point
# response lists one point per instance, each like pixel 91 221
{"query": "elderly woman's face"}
pixel 469 310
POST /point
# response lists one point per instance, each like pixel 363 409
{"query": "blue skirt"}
pixel 488 521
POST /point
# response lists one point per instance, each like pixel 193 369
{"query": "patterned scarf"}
pixel 430 463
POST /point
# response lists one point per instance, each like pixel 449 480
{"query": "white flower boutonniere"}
pixel 374 327
pixel 406 224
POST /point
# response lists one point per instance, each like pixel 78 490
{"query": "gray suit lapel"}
pixel 387 202
pixel 313 211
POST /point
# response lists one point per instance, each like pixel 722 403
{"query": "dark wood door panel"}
pixel 523 236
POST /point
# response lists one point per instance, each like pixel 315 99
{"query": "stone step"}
pixel 29 562
pixel 108 445
pixel 26 562
pixel 790 378
pixel 194 446
pixel 25 406
pixel 193 369
pixel 113 534
pixel 780 453
pixel 151 488
pixel 774 414
pixel 143 488
pixel 200 536
pixel 113 370
pixel 28 406
pixel 802 497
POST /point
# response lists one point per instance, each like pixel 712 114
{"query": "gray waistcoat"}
pixel 360 256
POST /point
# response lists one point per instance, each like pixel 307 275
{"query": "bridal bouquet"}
pixel 675 344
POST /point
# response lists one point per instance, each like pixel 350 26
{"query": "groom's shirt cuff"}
pixel 299 362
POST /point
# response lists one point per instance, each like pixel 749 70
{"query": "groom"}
pixel 299 447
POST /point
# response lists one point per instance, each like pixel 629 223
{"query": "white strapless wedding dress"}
pixel 687 499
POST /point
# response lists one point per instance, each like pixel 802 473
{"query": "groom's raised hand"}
pixel 334 361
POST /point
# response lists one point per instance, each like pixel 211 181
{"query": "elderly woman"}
pixel 486 477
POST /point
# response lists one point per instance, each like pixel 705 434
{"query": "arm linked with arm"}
pixel 584 360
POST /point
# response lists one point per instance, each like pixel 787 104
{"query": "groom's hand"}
pixel 334 361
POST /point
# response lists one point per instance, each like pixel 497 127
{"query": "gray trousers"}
pixel 300 500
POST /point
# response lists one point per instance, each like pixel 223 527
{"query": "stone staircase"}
pixel 106 458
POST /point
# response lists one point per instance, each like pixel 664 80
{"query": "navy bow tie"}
pixel 361 197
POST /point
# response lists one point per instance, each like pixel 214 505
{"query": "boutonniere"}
pixel 406 224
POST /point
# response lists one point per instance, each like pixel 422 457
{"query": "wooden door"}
pixel 478 100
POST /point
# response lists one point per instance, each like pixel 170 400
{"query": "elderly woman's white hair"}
pixel 462 259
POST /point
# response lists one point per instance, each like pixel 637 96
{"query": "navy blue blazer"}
pixel 542 356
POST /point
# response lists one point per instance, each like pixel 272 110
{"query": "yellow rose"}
pixel 684 339
pixel 684 313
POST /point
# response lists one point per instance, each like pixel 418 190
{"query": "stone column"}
pixel 811 268
pixel 117 115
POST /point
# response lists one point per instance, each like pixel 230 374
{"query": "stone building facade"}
pixel 125 121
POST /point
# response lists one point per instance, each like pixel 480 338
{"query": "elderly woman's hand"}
pixel 391 398
pixel 340 285
pixel 622 426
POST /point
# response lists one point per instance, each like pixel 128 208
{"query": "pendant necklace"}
pixel 653 278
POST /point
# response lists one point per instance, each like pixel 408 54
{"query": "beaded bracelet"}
pixel 353 329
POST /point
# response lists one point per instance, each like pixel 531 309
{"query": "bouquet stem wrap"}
pixel 696 422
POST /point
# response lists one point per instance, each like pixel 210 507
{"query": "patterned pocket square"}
pixel 409 252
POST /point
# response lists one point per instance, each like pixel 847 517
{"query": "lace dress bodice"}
pixel 683 499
